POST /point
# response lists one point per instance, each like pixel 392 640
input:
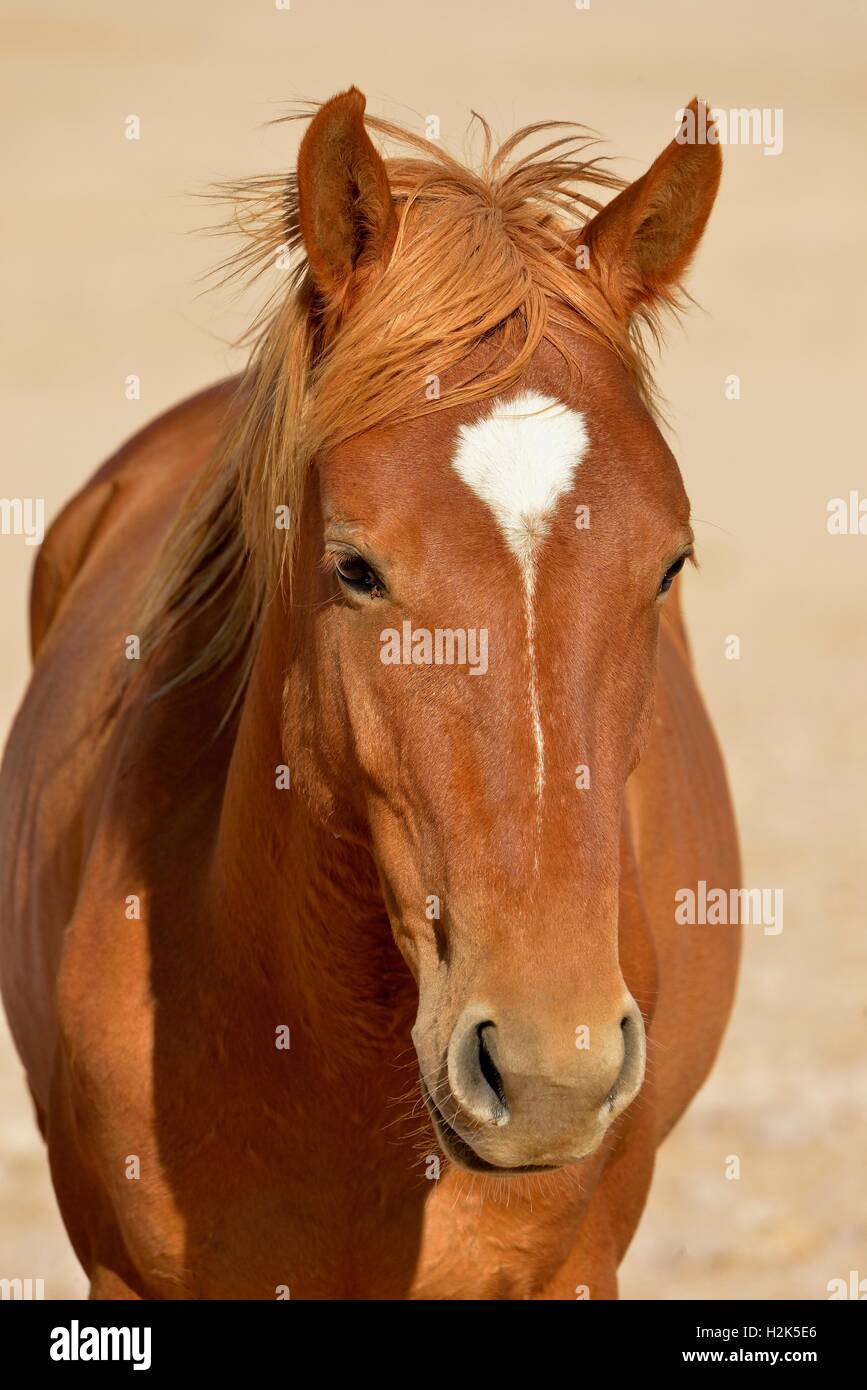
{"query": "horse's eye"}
pixel 671 574
pixel 355 573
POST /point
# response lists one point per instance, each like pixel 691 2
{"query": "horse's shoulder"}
pixel 176 443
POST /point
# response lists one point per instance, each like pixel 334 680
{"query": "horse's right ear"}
pixel 345 208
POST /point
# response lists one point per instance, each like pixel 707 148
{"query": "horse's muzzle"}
pixel 516 1099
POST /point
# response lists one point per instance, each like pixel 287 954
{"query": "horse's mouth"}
pixel 462 1153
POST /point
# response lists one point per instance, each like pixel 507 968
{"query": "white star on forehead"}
pixel 519 459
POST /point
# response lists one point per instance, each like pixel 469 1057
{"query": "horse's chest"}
pixel 258 1230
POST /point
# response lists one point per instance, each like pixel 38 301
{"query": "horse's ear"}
pixel 345 208
pixel 640 244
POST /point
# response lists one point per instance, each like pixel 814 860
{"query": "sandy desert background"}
pixel 100 280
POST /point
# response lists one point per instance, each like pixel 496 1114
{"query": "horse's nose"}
pixel 502 1074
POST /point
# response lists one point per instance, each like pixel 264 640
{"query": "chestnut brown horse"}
pixel 363 758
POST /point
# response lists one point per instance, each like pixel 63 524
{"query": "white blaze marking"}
pixel 520 462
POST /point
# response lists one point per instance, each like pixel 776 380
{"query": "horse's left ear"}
pixel 640 244
pixel 345 208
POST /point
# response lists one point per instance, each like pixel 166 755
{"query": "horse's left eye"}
pixel 671 574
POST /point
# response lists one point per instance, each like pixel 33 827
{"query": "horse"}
pixel 363 755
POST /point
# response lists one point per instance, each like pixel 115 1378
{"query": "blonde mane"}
pixel 485 256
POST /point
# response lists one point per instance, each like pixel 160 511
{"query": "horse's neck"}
pixel 303 906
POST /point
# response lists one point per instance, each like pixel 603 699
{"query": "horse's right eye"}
pixel 355 573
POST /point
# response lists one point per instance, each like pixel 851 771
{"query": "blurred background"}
pixel 101 279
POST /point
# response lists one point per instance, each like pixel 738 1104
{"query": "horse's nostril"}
pixel 488 1068
pixel 473 1070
